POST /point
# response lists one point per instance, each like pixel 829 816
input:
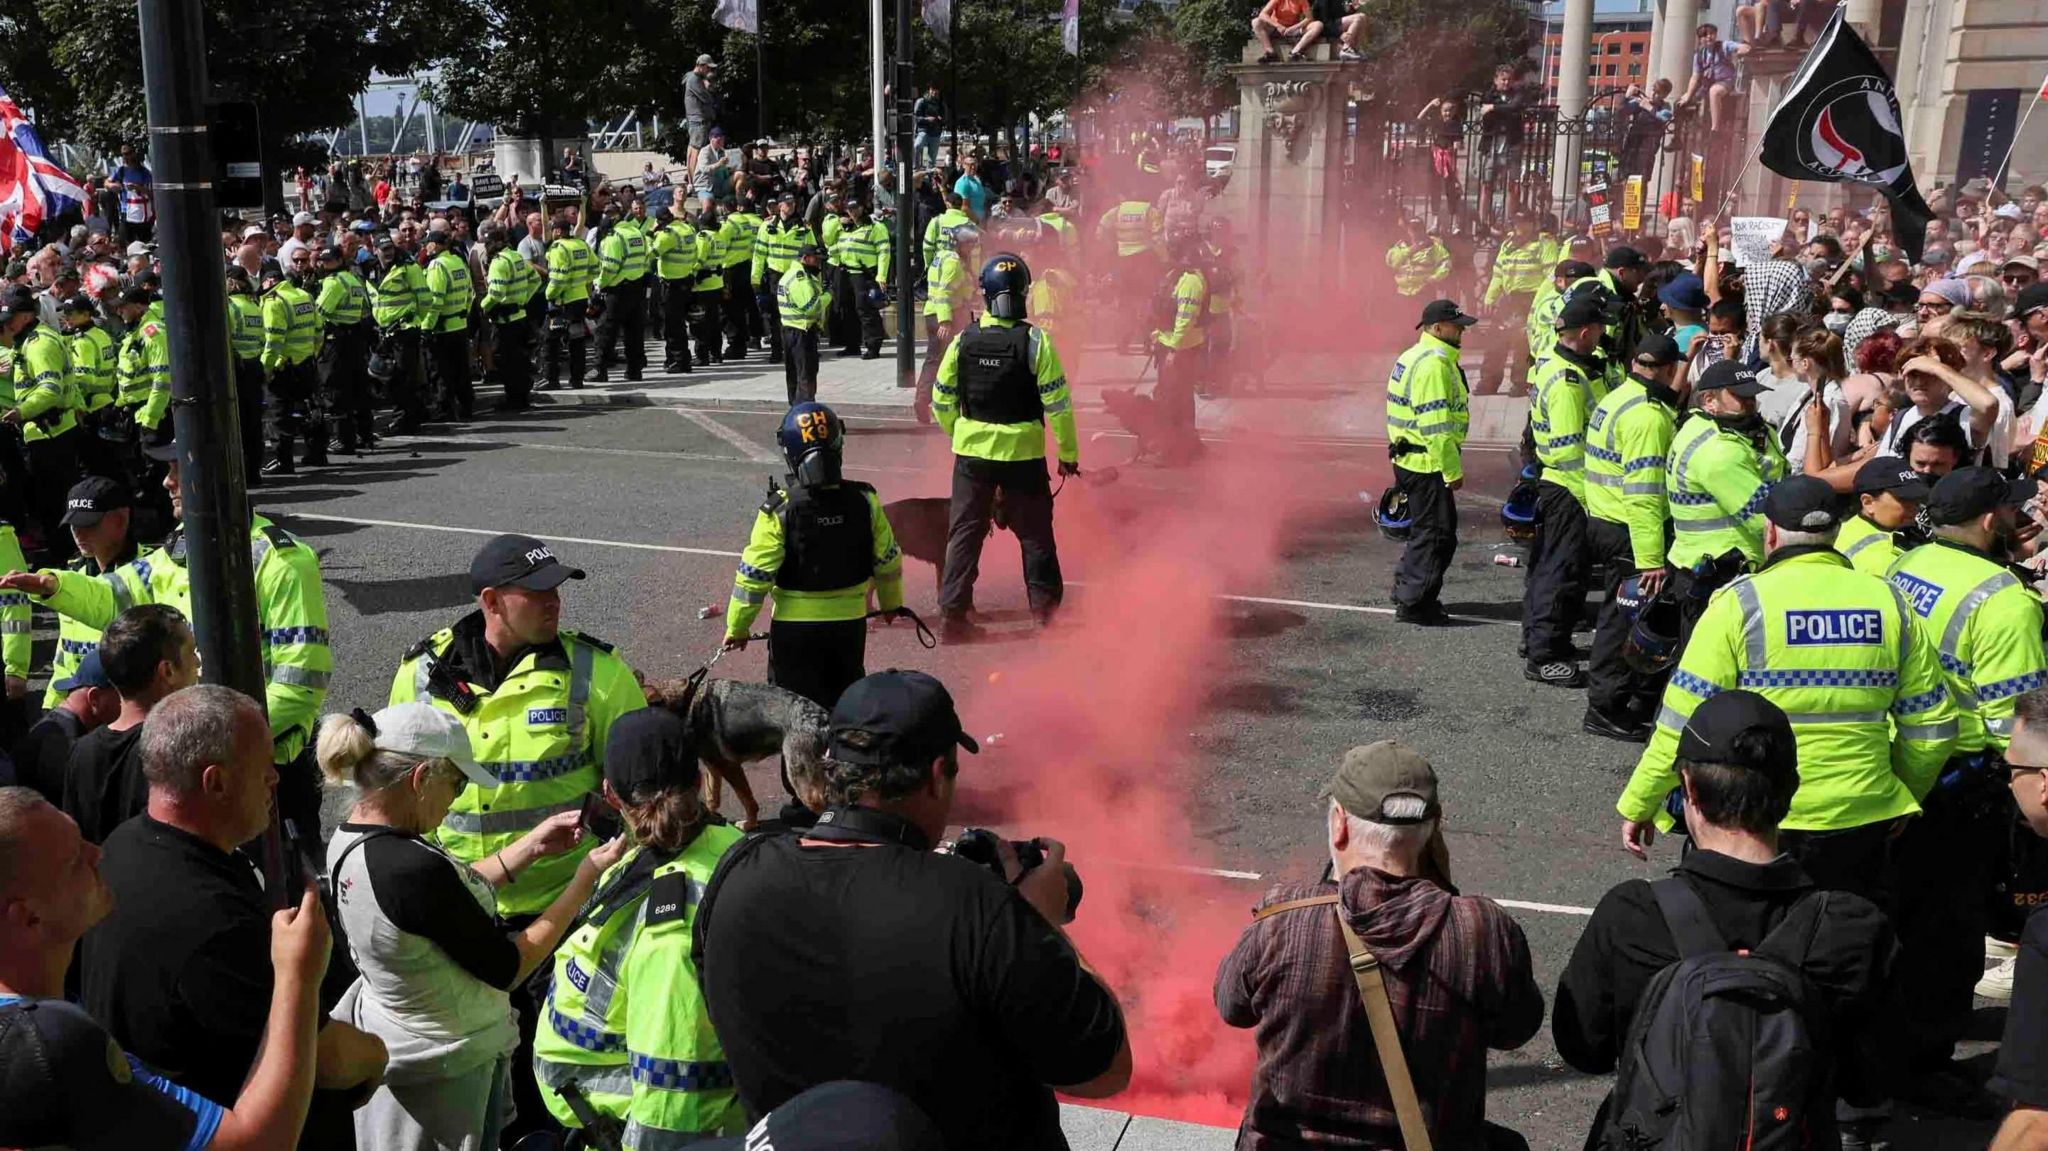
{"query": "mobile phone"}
pixel 597 818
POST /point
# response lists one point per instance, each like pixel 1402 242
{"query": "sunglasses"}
pixel 2021 278
pixel 1924 306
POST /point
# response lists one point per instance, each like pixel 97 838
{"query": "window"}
pixel 1613 49
pixel 1610 70
pixel 1635 69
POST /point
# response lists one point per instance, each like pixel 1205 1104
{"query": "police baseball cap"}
pixel 1445 312
pixel 809 250
pixel 895 717
pixel 88 673
pixel 1740 729
pixel 136 295
pixel 2032 298
pixel 1574 270
pixel 519 561
pixel 1966 493
pixel 1371 776
pixel 17 301
pixel 162 444
pixel 1582 310
pixel 1657 350
pixel 1890 474
pixel 1803 504
pixel 1626 257
pixel 77 302
pixel 1732 377
pixel 91 498
pixel 328 253
pixel 647 751
pixel 839 1116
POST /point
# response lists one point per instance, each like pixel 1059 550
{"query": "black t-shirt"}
pixel 918 971
pixel 103 782
pixel 40 757
pixel 65 1083
pixel 2022 1074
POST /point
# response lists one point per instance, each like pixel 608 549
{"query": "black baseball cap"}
pixel 809 250
pixel 1574 270
pixel 17 301
pixel 1624 256
pixel 648 750
pixel 1657 350
pixel 91 498
pixel 1584 309
pixel 521 561
pixel 76 302
pixel 1733 377
pixel 1966 493
pixel 162 444
pixel 1712 733
pixel 2032 298
pixel 895 717
pixel 1890 474
pixel 1803 504
pixel 1445 312
pixel 840 1116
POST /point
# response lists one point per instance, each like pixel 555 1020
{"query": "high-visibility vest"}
pixel 1628 448
pixel 44 391
pixel 1558 410
pixel 76 639
pixel 675 252
pixel 1985 627
pixel 1428 406
pixel 1868 548
pixel 1716 486
pixel 572 270
pixel 92 367
pixel 400 300
pixel 291 326
pixel 801 299
pixel 245 326
pixel 451 291
pixel 344 299
pixel 580 1035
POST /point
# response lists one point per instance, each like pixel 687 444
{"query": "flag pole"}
pixel 1998 181
pixel 1728 198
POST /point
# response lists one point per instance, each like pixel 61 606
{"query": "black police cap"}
pixel 1803 504
pixel 1714 733
pixel 1727 375
pixel 1582 310
pixel 519 561
pixel 648 751
pixel 1445 312
pixel 1966 493
pixel 1626 257
pixel 2032 298
pixel 1657 350
pixel 1890 474
pixel 91 498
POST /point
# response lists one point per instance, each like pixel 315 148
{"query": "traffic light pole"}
pixel 907 317
pixel 213 489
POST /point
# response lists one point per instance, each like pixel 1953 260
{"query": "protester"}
pixel 89 702
pixel 1457 971
pixel 147 652
pixel 2022 1073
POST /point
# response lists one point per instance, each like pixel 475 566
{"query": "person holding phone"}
pixel 437 965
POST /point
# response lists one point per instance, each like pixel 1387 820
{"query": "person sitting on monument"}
pixel 1289 20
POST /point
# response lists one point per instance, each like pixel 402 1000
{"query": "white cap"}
pixel 426 731
pixel 304 218
pixel 2008 210
pixel 252 232
pixel 138 248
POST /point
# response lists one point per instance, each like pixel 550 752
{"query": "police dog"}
pixel 733 723
pixel 922 524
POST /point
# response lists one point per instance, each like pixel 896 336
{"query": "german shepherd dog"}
pixel 922 524
pixel 733 723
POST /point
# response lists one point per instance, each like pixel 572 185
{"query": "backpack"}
pixel 1726 1046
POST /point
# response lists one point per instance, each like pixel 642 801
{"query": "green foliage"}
pixel 1420 49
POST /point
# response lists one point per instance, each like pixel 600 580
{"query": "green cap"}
pixel 1373 774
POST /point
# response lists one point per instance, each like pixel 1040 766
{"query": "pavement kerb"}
pixel 1106 1129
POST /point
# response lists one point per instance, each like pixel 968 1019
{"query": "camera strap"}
pixel 868 825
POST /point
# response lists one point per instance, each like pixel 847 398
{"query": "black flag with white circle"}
pixel 1838 122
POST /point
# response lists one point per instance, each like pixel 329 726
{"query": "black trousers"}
pixel 294 408
pixel 675 325
pixel 800 364
pixel 1941 871
pixel 625 316
pixel 570 338
pixel 451 364
pixel 704 325
pixel 345 384
pixel 842 326
pixel 249 403
pixel 514 361
pixel 409 388
pixel 654 290
pixel 771 315
pixel 1026 488
pixel 861 285
pixel 817 660
pixel 1419 577
pixel 52 469
pixel 1554 593
pixel 742 312
pixel 1612 687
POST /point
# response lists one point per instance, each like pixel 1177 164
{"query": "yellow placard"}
pixel 1792 201
pixel 1699 177
pixel 1632 205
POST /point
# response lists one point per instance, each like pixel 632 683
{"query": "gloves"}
pixel 1070 467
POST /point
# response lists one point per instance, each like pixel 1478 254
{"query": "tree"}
pixel 1419 49
pixel 1213 34
pixel 1010 62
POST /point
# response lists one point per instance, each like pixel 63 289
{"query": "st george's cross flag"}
pixel 32 187
pixel 1839 122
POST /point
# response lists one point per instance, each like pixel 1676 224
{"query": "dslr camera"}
pixel 980 845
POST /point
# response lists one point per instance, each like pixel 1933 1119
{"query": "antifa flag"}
pixel 1839 121
pixel 739 15
pixel 938 17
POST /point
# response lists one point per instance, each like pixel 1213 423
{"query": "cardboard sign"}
pixel 1752 236
pixel 1632 205
pixel 1699 178
pixel 1601 211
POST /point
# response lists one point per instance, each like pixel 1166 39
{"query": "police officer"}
pixel 1834 649
pixel 675 265
pixel 1179 348
pixel 998 387
pixel 1571 383
pixel 707 315
pixel 939 231
pixel 92 379
pixel 622 264
pixel 1888 495
pixel 743 325
pixel 344 307
pixel 1628 440
pixel 1723 461
pixel 802 300
pixel 775 246
pixel 510 284
pixel 1982 622
pixel 863 253
pixel 1541 326
pixel 572 270
pixel 450 291
pixel 1418 260
pixel 817 548
pixel 1427 418
pixel 1134 225
pixel 625 1004
pixel 291 341
pixel 291 619
pixel 245 341
pixel 539 702
pixel 99 512
pixel 1520 266
pixel 948 303
pixel 45 409
pixel 401 311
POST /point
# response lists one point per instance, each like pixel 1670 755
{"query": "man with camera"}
pixel 858 952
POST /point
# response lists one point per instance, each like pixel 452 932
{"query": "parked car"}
pixel 1218 159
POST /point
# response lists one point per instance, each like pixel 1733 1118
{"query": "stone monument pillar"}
pixel 1285 193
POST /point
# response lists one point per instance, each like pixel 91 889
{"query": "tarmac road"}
pixel 655 504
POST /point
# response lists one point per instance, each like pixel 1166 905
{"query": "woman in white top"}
pixel 1816 363
pixel 423 930
pixel 1932 370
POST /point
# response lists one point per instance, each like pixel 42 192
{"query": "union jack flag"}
pixel 32 187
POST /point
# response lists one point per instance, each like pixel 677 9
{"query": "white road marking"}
pixel 1552 908
pixel 366 522
pixel 747 447
pixel 1253 876
pixel 641 453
